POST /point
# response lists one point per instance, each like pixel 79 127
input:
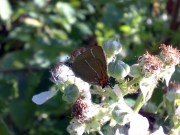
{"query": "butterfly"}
pixel 90 65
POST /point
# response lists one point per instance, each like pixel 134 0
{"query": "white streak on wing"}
pixel 92 53
pixel 92 68
pixel 41 98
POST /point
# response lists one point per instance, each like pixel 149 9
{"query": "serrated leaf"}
pixel 168 74
pixel 147 86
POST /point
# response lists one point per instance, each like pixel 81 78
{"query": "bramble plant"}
pixel 112 114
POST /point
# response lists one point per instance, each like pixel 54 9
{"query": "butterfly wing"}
pixel 99 54
pixel 88 70
pixel 91 66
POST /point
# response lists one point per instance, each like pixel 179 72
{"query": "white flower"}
pixel 159 132
pixel 138 125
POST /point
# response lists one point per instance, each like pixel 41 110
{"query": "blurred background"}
pixel 35 33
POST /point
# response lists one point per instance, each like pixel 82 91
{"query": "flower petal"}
pixel 138 125
pixel 41 98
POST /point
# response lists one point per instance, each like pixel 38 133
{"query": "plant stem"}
pixel 139 103
pixel 134 81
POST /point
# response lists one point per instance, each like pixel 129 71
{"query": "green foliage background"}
pixel 38 32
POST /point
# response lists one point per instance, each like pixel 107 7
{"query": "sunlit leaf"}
pixel 147 86
pixel 168 74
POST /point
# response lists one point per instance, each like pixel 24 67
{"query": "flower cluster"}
pixel 112 111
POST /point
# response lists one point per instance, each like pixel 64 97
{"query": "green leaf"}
pixel 147 86
pixel 3 128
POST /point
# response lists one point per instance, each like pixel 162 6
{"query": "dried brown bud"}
pixel 150 65
pixel 169 55
pixel 80 110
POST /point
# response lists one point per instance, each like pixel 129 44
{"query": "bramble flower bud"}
pixel 150 65
pixel 118 69
pixel 169 55
pixel 93 116
pixel 135 71
pixel 60 73
pixel 81 110
pixel 112 48
pixel 84 88
pixel 71 93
